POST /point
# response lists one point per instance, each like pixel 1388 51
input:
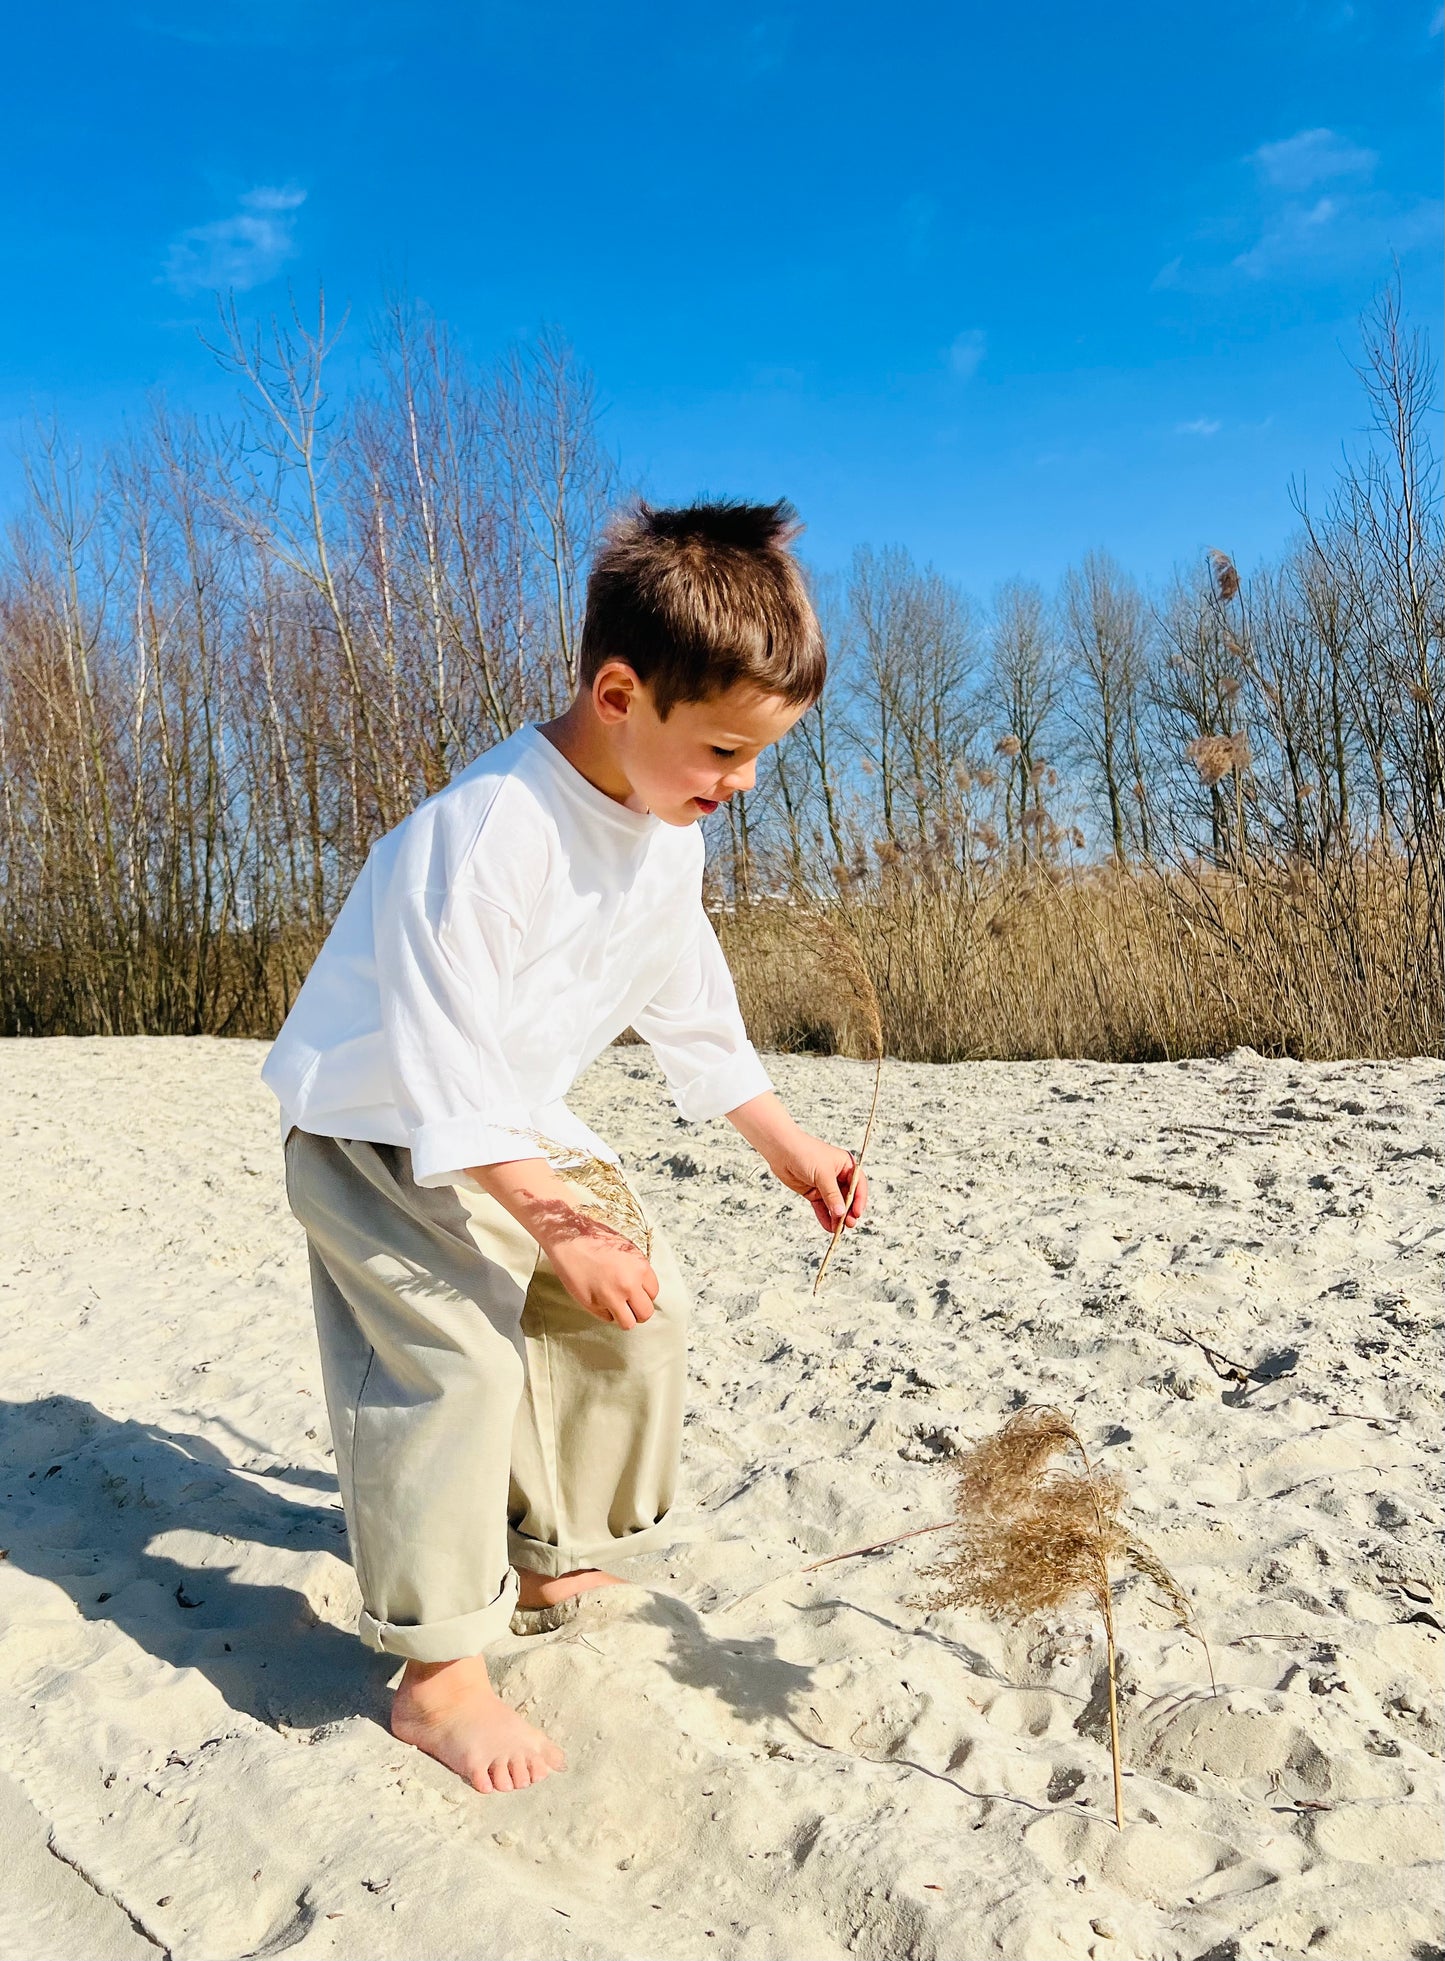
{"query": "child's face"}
pixel 681 769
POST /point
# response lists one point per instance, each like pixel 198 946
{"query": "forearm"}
pixel 828 1176
pixel 765 1123
pixel 530 1190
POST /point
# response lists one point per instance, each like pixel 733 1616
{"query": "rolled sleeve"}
pixel 733 1080
pixel 695 1028
pixel 440 1150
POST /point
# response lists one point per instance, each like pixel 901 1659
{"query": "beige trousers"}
pixel 482 1420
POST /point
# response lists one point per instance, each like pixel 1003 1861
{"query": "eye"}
pixel 726 754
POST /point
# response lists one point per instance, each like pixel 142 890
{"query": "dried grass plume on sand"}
pixel 1031 1535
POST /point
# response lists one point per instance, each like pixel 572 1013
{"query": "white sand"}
pixel 192 1752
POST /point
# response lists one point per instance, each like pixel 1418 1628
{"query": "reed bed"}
pixel 1115 966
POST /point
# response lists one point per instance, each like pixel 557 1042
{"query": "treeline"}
pixel 1097 820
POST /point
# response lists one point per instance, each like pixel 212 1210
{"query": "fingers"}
pixel 635 1309
pixel 619 1289
pixel 642 1297
pixel 828 1190
pixel 824 1213
pixel 636 1305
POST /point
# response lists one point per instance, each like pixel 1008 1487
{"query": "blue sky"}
pixel 998 283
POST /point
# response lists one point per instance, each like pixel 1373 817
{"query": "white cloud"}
pixel 274 197
pixel 1202 425
pixel 967 352
pixel 1314 156
pixel 1309 230
pixel 241 251
pixel 1334 234
pixel 1314 213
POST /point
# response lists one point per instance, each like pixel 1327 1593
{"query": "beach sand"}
pixel 765 1762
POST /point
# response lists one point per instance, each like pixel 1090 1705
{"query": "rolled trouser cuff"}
pixel 531 1556
pixel 450 1640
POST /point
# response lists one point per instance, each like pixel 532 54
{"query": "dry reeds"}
pixel 1145 965
pixel 1031 1536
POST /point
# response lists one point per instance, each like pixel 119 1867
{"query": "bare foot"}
pixel 450 1710
pixel 544 1590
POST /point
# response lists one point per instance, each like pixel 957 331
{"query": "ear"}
pixel 614 691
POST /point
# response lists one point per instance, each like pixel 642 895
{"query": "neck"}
pixel 584 741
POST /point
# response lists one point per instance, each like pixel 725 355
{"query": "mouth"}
pixel 707 805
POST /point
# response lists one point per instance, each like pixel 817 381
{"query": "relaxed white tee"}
pixel 494 944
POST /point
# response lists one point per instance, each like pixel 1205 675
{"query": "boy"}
pixel 504 1372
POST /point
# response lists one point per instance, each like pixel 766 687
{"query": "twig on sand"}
pixel 1220 1130
pixel 1227 1369
pixel 855 1552
pixel 879 1545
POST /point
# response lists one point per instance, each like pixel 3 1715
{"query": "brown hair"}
pixel 704 598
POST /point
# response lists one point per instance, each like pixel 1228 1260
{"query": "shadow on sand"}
pixel 85 1495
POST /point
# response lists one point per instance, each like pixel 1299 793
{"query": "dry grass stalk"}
pixel 803 979
pixel 1226 577
pixel 609 1196
pixel 849 958
pixel 1217 756
pixel 1032 1536
pixel 876 1545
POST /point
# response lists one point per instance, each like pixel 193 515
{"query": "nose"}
pixel 742 777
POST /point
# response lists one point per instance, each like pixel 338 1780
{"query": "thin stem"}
pixel 1107 1610
pixel 879 1545
pixel 854 1175
pixel 1114 1750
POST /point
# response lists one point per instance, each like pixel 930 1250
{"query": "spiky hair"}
pixel 702 598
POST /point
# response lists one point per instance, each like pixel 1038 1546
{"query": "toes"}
pixel 480 1781
pixel 553 1757
pixel 501 1776
pixel 520 1772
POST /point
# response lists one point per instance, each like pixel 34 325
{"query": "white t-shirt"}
pixel 494 944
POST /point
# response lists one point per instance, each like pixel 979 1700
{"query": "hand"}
pixel 817 1171
pixel 820 1173
pixel 602 1271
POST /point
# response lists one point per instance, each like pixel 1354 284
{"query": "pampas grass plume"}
pixel 1031 1535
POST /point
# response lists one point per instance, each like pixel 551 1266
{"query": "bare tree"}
pixel 1104 630
pixel 1025 689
